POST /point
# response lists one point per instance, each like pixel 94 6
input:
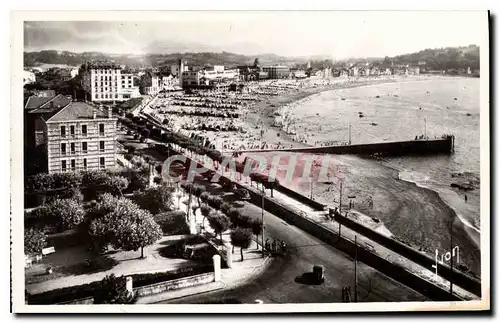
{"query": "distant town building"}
pixel 104 82
pixel 79 137
pixel 277 72
pixel 28 77
pixel 209 77
pixel 178 69
pixel 191 78
pixel 153 83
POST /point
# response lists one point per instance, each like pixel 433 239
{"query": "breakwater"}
pixel 395 148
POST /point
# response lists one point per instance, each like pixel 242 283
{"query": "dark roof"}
pixel 35 102
pixel 101 65
pixel 46 104
pixel 58 102
pixel 77 111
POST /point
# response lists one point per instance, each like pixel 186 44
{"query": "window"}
pixel 73 165
pixel 84 130
pixel 84 147
pixel 72 131
pixel 101 129
pixel 101 162
pixel 63 131
pixel 101 146
pixel 63 165
pixel 85 163
pixel 72 145
pixel 63 149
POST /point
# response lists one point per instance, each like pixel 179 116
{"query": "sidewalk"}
pixel 240 273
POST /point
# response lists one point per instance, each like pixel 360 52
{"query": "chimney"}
pixel 110 112
pixel 94 114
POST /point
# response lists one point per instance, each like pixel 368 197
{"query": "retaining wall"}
pixel 469 283
pixel 299 197
pixel 81 301
pixel 175 284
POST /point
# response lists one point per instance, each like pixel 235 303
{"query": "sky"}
pixel 288 33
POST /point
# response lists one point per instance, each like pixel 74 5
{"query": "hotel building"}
pixel 105 82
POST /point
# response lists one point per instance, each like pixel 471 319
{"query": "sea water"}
pixel 401 111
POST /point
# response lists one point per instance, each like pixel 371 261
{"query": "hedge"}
pixel 89 290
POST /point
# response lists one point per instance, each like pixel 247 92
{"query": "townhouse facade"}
pixel 80 137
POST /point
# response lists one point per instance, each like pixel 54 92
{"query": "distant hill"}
pixel 441 58
pixel 197 59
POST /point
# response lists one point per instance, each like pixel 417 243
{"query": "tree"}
pixel 145 133
pixel 113 290
pixel 117 184
pixel 225 207
pixel 257 229
pixel 241 238
pixel 135 230
pixel 204 197
pixel 234 215
pixel 215 202
pixel 220 223
pixel 121 223
pixel 172 222
pixel 34 241
pixel 156 199
pixel 197 191
pixel 205 212
pixel 64 214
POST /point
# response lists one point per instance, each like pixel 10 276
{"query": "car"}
pixel 242 193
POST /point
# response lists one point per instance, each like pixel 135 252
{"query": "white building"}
pixel 104 82
pixel 28 77
pixel 74 72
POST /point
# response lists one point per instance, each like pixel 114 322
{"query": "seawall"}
pixel 396 148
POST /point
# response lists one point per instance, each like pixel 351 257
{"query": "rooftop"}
pixel 78 111
pixel 37 104
pixel 101 65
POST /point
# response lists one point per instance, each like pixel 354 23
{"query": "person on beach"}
pixel 465 198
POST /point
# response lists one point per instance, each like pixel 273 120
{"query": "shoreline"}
pixel 430 197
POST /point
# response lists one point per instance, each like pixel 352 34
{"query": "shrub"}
pixel 172 222
pixel 63 214
pixel 34 241
pixel 113 290
pixel 91 289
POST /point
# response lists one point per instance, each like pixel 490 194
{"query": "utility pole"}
pixel 451 259
pixel 262 222
pixel 340 207
pixel 355 269
pixel 349 133
pixel 425 128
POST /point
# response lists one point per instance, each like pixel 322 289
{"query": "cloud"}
pixel 339 34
